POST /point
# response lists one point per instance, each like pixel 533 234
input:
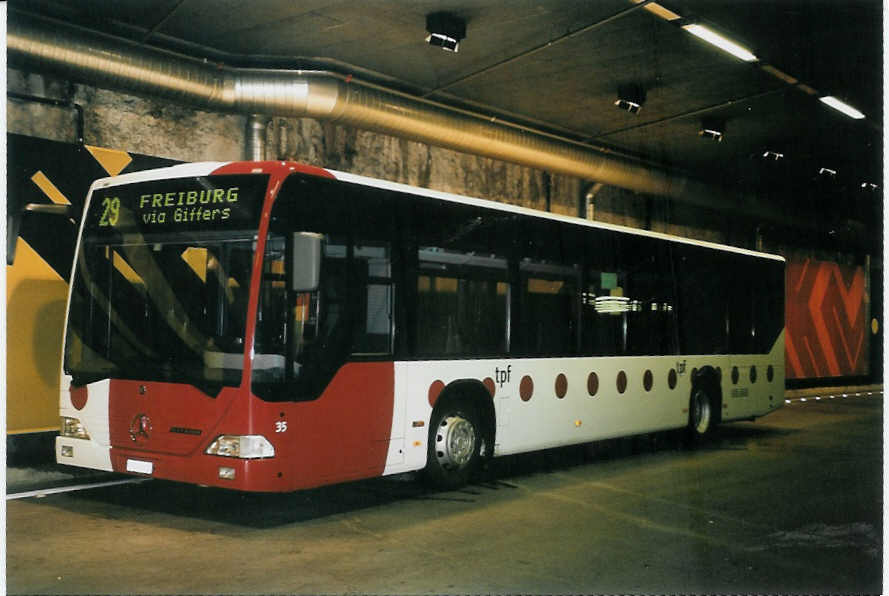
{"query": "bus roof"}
pixel 446 196
pixel 209 168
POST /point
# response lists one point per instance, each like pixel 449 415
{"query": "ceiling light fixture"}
pixel 869 186
pixel 661 11
pixel 630 98
pixel 710 133
pixel 773 155
pixel 724 44
pixel 712 129
pixel 827 172
pixel 445 30
pixel 841 106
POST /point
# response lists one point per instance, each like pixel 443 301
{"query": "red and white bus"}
pixel 269 326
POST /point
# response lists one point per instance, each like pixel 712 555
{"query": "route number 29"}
pixel 281 426
pixel 110 212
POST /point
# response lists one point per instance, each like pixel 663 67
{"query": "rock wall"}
pixel 156 127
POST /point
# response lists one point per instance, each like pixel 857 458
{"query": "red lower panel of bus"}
pixel 343 435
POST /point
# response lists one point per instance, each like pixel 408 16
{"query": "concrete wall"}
pixel 155 127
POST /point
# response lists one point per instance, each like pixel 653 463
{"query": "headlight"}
pixel 71 427
pixel 241 446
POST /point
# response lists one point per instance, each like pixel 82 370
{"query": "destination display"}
pixel 227 202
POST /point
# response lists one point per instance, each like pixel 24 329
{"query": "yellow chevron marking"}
pixel 49 189
pixel 113 160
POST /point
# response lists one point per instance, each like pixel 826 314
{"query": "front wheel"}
pixel 455 446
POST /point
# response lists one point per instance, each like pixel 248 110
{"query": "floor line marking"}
pixel 67 489
pixel 821 397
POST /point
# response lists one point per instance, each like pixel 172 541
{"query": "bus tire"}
pixel 702 415
pixel 455 447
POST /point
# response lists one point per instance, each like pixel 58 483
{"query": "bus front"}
pixel 158 330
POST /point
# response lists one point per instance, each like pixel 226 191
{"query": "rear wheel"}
pixel 455 445
pixel 701 415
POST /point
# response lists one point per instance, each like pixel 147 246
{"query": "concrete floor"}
pixel 791 503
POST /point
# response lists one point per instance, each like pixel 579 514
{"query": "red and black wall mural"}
pixel 827 320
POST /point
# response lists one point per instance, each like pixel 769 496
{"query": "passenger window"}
pixel 703 299
pixel 629 310
pixel 605 311
pixel 462 304
pixel 550 308
pixel 372 304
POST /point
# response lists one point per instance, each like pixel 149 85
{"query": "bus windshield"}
pixel 162 302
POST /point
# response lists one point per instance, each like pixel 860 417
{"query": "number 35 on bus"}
pixel 271 326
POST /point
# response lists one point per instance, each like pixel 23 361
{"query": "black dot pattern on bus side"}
pixel 561 385
pixel 621 382
pixel 647 380
pixel 526 388
pixel 736 375
pixel 753 374
pixel 672 379
pixel 770 373
pixel 592 384
pixel 434 390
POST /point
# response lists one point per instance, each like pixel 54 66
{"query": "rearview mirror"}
pixel 14 223
pixel 305 261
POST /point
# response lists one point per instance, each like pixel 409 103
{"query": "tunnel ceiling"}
pixel 558 66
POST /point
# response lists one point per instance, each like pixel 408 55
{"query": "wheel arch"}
pixel 473 392
pixel 708 378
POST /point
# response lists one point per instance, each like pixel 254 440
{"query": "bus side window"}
pixel 703 299
pixel 650 328
pixel 549 308
pixel 628 313
pixel 462 303
pixel 605 309
pixel 372 298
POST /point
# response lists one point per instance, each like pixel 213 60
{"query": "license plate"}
pixel 139 467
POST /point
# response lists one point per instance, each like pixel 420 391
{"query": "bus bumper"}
pixel 84 453
pixel 259 475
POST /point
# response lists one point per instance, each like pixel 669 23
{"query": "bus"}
pixel 272 326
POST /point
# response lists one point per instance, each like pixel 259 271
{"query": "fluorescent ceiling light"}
pixel 721 42
pixel 657 9
pixel 841 107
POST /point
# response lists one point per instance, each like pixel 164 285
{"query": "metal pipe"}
pixel 123 65
pixel 255 138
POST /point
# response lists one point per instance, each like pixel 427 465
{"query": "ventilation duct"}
pixel 122 65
